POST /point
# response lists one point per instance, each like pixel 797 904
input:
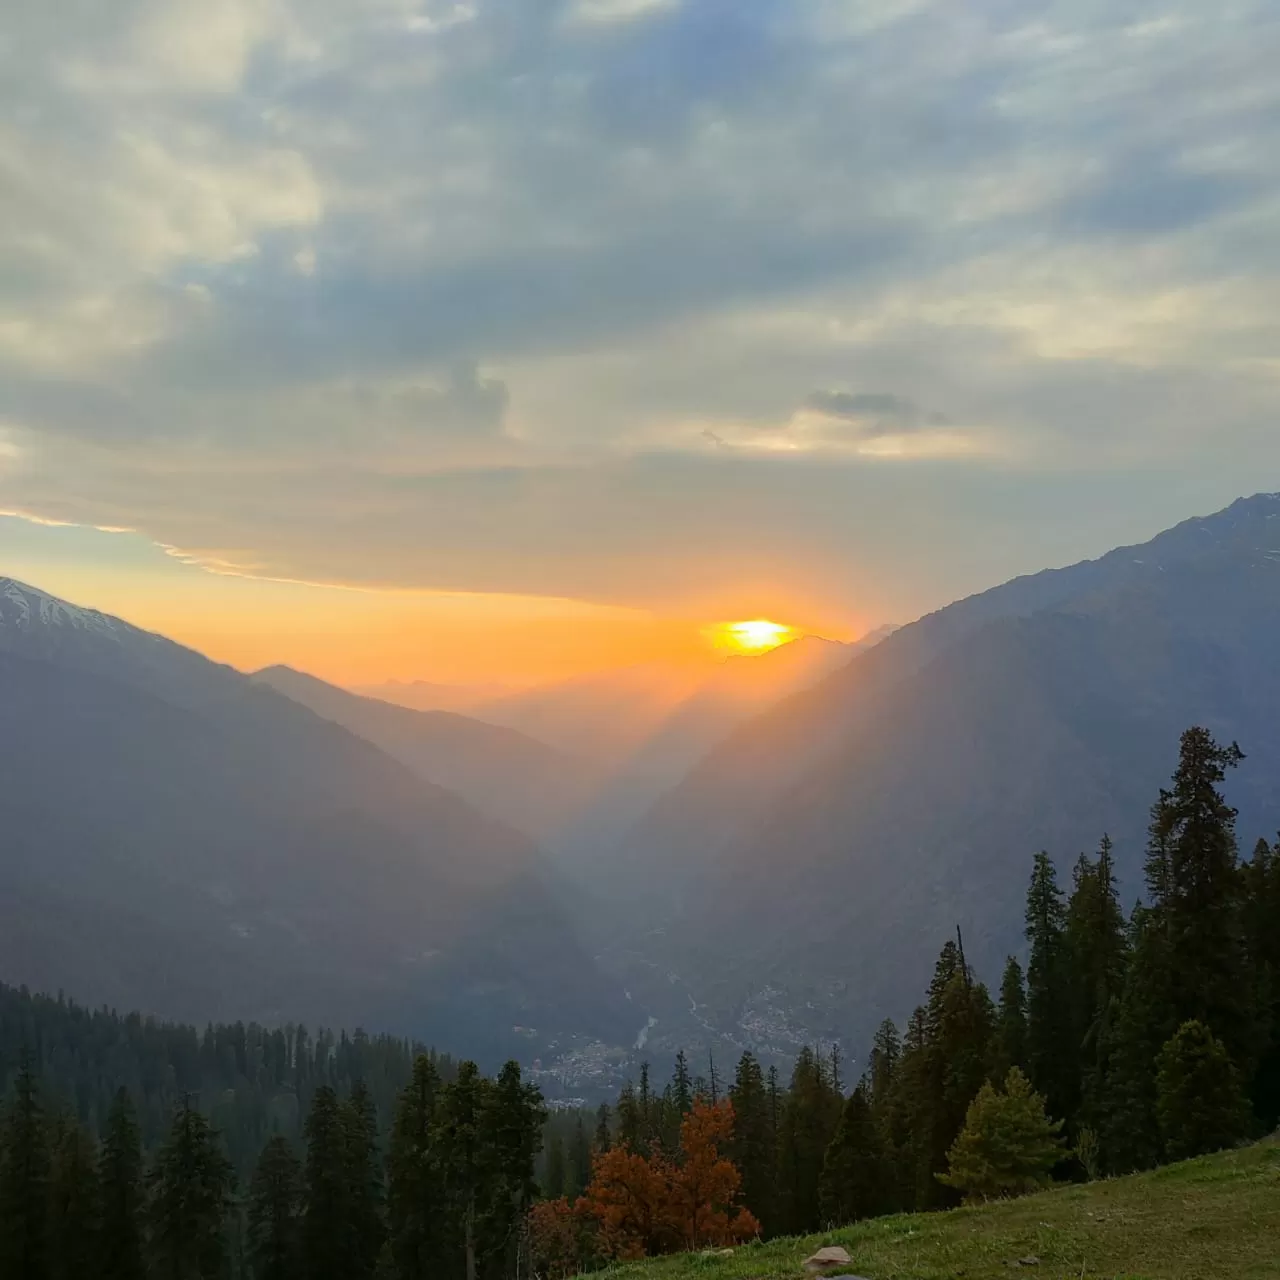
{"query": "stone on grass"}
pixel 830 1256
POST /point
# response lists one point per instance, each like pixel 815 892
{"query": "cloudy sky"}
pixel 604 317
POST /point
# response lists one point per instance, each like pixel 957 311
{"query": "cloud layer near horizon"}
pixel 625 299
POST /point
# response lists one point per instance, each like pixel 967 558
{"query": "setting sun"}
pixel 754 636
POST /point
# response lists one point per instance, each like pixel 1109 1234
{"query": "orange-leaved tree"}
pixel 705 1183
pixel 558 1238
pixel 628 1198
pixel 644 1207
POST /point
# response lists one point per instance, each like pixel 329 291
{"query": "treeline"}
pixel 252 1081
pixel 251 1154
pixel 450 1198
pixel 1124 1043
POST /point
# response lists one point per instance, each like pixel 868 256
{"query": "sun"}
pixel 758 635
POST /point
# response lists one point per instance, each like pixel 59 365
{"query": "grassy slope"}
pixel 1217 1218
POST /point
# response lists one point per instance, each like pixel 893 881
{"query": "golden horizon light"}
pixel 754 635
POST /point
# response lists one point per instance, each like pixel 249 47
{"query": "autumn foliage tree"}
pixel 639 1206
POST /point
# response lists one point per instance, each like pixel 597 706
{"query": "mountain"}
pixel 501 771
pixel 176 837
pixel 424 695
pixel 806 869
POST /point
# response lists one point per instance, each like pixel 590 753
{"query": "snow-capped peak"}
pixel 27 608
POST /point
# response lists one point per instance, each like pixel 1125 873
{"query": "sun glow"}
pixel 757 635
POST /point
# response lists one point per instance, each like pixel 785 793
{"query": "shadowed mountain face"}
pixel 502 772
pixel 175 837
pixel 828 847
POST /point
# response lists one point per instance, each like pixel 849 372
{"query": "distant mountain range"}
pixel 503 772
pixel 177 837
pixel 803 869
pixel 759 856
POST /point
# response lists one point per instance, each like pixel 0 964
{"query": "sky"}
pixel 506 339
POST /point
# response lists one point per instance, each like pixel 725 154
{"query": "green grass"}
pixel 1216 1218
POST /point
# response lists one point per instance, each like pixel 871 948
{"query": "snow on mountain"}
pixel 26 607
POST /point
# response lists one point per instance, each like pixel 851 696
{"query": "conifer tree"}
pixel 603 1137
pixel 856 1179
pixel 1008 1144
pixel 1127 1125
pixel 1261 890
pixel 510 1136
pixel 578 1165
pixel 557 1176
pixel 1200 1103
pixel 190 1188
pixel 275 1213
pixel 120 1252
pixel 1193 877
pixel 682 1085
pixel 959 1020
pixel 810 1114
pixel 74 1203
pixel 466 1166
pixel 327 1244
pixel 1053 1039
pixel 363 1172
pixel 753 1148
pixel 24 1181
pixel 629 1119
pixel 1011 1022
pixel 414 1193
pixel 1098 950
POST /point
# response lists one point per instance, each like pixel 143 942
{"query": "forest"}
pixel 131 1149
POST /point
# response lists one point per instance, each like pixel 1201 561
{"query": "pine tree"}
pixel 629 1119
pixel 465 1164
pixel 888 1112
pixel 578 1165
pixel 414 1193
pixel 1053 1039
pixel 190 1189
pixel 511 1139
pixel 557 1176
pixel 682 1086
pixel 1011 1022
pixel 753 1148
pixel 1098 951
pixel 1008 1144
pixel 363 1172
pixel 74 1204
pixel 1192 874
pixel 120 1253
pixel 810 1114
pixel 855 1174
pixel 327 1246
pixel 603 1138
pixel 1200 1103
pixel 275 1213
pixel 24 1182
pixel 1261 890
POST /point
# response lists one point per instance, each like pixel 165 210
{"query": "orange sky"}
pixel 361 636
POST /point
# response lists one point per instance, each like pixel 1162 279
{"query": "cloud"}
pixel 873 413
pixel 276 274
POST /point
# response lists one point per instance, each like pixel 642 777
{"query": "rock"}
pixel 1029 1261
pixel 831 1256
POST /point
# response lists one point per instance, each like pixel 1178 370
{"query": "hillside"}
pixel 904 794
pixel 176 838
pixel 501 771
pixel 1218 1217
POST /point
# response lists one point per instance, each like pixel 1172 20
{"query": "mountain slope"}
pixel 176 837
pixel 500 771
pixel 827 845
pixel 1217 1216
